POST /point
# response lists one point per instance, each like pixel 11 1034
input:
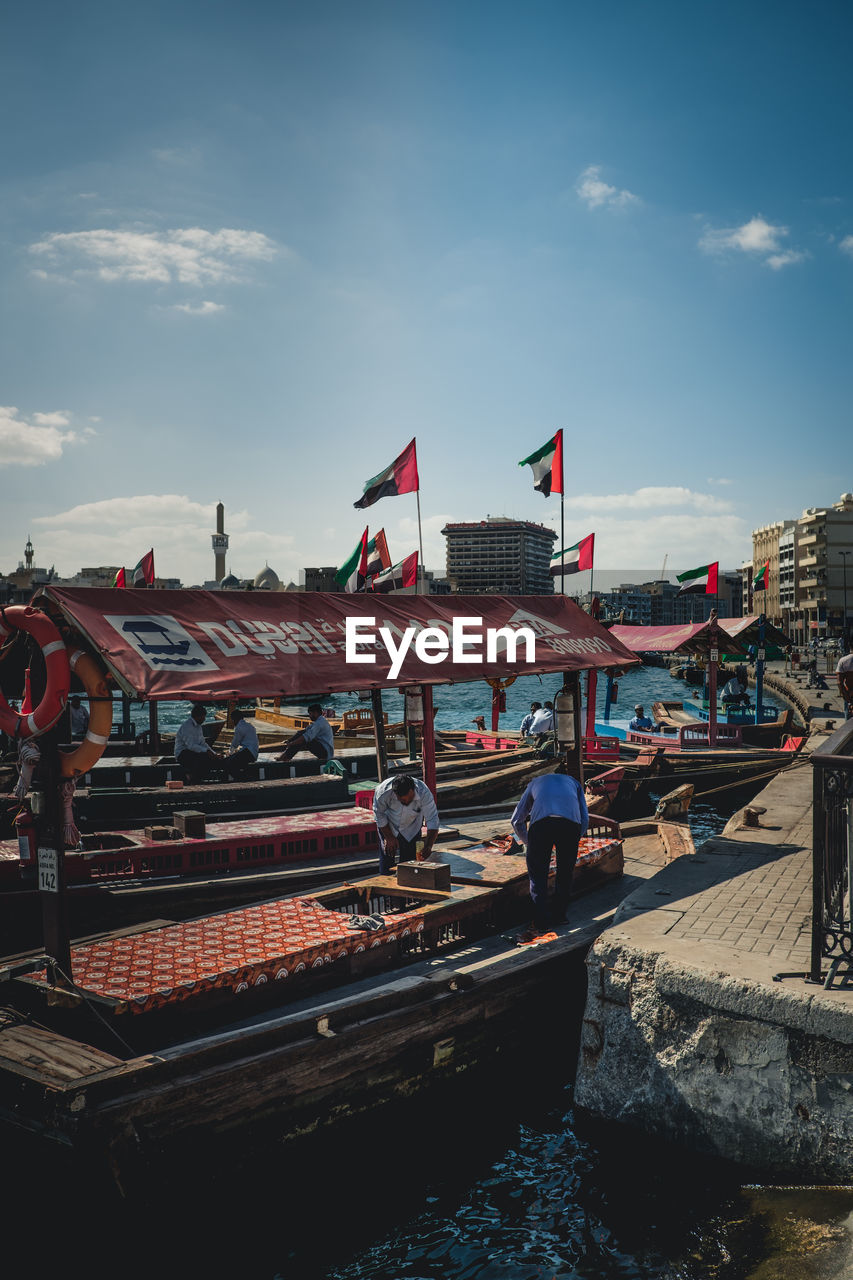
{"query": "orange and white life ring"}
pixel 73 763
pixel 19 617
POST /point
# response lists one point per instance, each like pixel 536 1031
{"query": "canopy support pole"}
pixel 428 742
pixel 759 669
pixel 591 686
pixel 153 728
pixel 379 734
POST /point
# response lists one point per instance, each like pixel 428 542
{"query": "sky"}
pixel 248 251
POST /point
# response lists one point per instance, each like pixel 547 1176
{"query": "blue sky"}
pixel 248 251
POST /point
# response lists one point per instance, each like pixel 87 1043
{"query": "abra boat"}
pixel 258 1025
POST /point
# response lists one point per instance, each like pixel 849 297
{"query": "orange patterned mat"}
pixel 234 950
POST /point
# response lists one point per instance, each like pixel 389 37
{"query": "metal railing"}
pixel 832 817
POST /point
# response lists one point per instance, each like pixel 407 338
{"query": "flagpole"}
pixel 562 541
pixel 421 571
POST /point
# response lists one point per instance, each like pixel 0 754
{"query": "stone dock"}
pixel 701 1026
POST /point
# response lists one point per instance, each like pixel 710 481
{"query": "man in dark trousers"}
pixel 552 814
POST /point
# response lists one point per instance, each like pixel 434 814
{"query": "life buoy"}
pixel 73 763
pixel 19 617
pixel 498 683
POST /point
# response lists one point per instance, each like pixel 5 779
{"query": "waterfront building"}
pixel 508 557
pixel 824 586
pixel 659 604
pixel 767 544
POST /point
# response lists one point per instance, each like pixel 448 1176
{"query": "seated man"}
pixel 318 738
pixel 641 722
pixel 524 727
pixel 734 694
pixel 192 751
pixel 79 717
pixel 543 721
pixel 401 807
pixel 244 745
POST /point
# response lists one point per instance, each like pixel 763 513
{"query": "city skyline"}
pixel 246 256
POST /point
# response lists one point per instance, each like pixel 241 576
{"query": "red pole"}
pixel 428 742
pixel 496 708
pixel 591 683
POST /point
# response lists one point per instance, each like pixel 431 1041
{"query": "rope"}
pixel 82 994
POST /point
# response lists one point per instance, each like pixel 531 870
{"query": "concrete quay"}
pixel 700 1026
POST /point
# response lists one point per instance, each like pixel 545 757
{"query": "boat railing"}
pixel 689 737
pixel 832 856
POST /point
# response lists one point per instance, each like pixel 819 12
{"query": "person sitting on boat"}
pixel 192 750
pixel 79 717
pixel 641 722
pixel 734 693
pixel 402 806
pixel 318 738
pixel 551 814
pixel 543 720
pixel 244 745
pixel 524 727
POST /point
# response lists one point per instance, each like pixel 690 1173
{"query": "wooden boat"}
pixel 261 1024
pixel 771 732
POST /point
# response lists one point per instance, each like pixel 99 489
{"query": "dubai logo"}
pixel 161 641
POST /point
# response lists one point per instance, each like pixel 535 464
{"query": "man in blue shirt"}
pixel 641 721
pixel 552 814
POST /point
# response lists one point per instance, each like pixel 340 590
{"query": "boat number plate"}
pixel 760 655
pixel 48 871
pixel 714 655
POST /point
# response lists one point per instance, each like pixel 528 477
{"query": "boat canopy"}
pixel 217 645
pixel 696 637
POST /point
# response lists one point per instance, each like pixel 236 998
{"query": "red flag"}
pixel 400 477
pixel 143 573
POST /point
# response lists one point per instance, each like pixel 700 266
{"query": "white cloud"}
pixel 199 309
pixel 718 480
pixel 650 498
pixel 846 246
pixel 778 260
pixel 597 193
pixel 35 441
pixel 189 255
pixel 119 530
pixel 757 237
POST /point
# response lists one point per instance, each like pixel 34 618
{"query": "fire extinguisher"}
pixel 25 830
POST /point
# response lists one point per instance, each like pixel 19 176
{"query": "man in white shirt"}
pixel 192 751
pixel 401 807
pixel 244 745
pixel 318 738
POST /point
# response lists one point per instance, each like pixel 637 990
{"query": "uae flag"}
pixel 404 574
pixel 702 581
pixel 573 559
pixel 759 582
pixel 352 575
pixel 143 573
pixel 547 466
pixel 120 580
pixel 378 559
pixel 400 477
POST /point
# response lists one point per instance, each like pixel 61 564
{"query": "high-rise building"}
pixel 507 557
pixel 321 579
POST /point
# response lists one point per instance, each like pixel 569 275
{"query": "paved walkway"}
pixel 741 906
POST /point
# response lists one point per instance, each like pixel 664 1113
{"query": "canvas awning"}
pixel 692 637
pixel 238 644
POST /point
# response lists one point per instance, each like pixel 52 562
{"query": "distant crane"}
pixel 663 570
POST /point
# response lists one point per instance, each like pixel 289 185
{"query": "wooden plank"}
pixel 53 1057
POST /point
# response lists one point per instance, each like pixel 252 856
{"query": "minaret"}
pixel 28 553
pixel 219 541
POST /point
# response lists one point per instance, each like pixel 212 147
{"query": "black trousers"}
pixel 405 853
pixel 195 764
pixel 562 835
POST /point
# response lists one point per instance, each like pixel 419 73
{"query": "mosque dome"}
pixel 267 580
pixel 229 583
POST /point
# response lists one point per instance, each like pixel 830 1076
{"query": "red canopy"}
pixel 238 644
pixel 694 637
